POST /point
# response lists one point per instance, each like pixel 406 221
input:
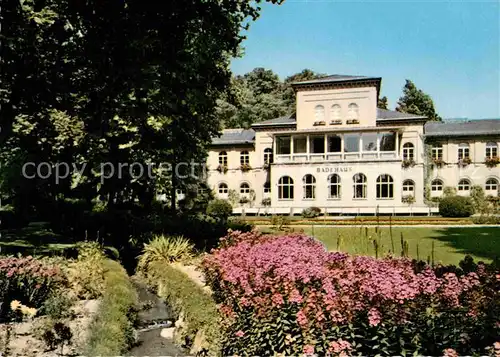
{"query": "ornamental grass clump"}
pixel 165 249
pixel 287 294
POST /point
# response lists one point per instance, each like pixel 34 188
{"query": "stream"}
pixel 153 317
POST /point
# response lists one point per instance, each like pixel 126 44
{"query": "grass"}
pixel 446 245
pixel 186 297
pixel 111 332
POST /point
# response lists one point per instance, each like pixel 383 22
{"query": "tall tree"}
pixel 383 103
pixel 133 81
pixel 415 101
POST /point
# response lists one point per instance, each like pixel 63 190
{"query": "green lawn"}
pixel 451 244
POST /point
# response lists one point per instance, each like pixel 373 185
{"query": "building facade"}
pixel 342 154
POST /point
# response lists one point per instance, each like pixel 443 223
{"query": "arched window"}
pixel 491 184
pixel 309 183
pixel 319 113
pixel 267 187
pixel 491 150
pixel 437 185
pixel 359 186
pixel 334 186
pixel 464 185
pixel 285 188
pixel 408 151
pixel 244 158
pixel 335 112
pixel 223 188
pixel 268 156
pixel 353 111
pixel 223 158
pixel 385 186
pixel 244 188
pixel 463 151
pixel 408 187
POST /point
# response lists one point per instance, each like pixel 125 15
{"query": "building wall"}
pixel 364 98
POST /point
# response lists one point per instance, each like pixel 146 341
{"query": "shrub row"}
pixel 188 299
pixel 486 220
pixel 456 206
pixel 287 294
pixel 111 332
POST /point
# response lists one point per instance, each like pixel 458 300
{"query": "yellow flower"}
pixel 28 311
pixel 14 305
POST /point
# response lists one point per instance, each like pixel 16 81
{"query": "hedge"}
pixel 187 298
pixel 456 206
pixel 111 331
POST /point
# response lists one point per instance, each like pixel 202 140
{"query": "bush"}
pixel 86 273
pixel 288 295
pixel 311 212
pixel 165 250
pixel 237 224
pixel 189 299
pixel 218 208
pixel 486 220
pixel 111 331
pixel 279 222
pixel 456 206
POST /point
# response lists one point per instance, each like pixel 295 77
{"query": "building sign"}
pixel 333 170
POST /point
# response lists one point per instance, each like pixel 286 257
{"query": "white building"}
pixel 340 153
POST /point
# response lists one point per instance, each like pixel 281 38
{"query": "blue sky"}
pixel 450 49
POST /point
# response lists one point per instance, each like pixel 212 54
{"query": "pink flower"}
pixel 374 317
pixel 450 352
pixel 302 318
pixel 496 345
pixel 308 350
pixel 277 299
pixel 240 333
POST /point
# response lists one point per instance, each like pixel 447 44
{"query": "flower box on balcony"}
pixel 245 168
pixel 318 123
pixel 407 163
pixel 492 161
pixel 336 122
pixel 266 166
pixel 222 169
pixel 464 162
pixel 352 121
pixel 438 162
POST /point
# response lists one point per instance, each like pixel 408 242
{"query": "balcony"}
pixel 378 146
pixel 337 157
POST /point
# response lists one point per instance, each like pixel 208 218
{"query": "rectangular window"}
pixel 300 145
pixel 351 143
pixel 387 141
pixel 317 144
pixel 369 142
pixel 334 143
pixel 437 152
pixel 283 145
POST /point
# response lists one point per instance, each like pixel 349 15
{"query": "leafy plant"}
pixel 222 168
pixel 449 191
pixel 464 161
pixel 166 250
pixel 438 162
pixel 279 222
pixel 492 161
pixel 408 199
pixel 266 202
pixel 59 335
pixel 311 212
pixel 58 305
pixel 407 163
pixel 245 167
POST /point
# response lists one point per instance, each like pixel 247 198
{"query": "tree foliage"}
pixel 415 101
pixel 93 82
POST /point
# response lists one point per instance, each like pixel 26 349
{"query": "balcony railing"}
pixel 334 156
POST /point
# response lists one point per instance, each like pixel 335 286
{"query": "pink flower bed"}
pixel 263 279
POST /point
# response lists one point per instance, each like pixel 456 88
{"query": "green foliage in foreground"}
pixel 165 250
pixel 183 295
pixel 456 206
pixel 111 332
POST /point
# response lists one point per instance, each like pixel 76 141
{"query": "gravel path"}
pixel 150 343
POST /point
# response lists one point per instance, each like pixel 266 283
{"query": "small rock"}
pixel 167 333
pixel 23 328
pixel 91 306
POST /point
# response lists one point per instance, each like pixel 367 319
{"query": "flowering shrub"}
pixel 27 280
pixel 287 294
